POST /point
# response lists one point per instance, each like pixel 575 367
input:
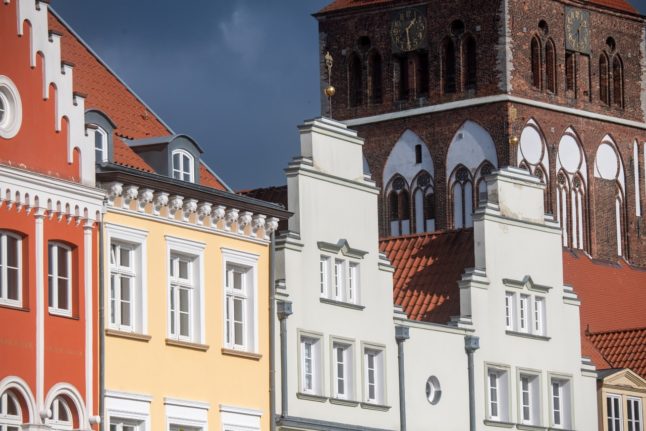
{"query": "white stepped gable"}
pixel 68 105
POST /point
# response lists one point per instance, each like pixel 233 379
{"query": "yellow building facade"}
pixel 186 301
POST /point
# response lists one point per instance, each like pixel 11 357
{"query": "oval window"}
pixel 10 108
pixel 433 390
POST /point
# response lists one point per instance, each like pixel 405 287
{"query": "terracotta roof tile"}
pixel 622 348
pixel 126 157
pixel 427 270
pixel 208 179
pixel 277 194
pixel 337 5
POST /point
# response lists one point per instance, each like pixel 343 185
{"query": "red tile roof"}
pixel 108 94
pixel 277 194
pixel 337 5
pixel 427 270
pixel 622 348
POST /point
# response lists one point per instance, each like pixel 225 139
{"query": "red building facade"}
pixel 49 212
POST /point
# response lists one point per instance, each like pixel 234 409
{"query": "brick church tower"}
pixel 444 92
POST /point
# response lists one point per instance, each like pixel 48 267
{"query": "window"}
pixel 374 65
pixel 448 66
pixel 10 413
pixel 345 276
pixel 356 81
pixel 342 371
pixel 240 309
pixel 324 270
pixel 529 399
pixel 100 145
pixel 60 279
pixel 373 376
pixel 617 82
pixel 126 297
pixel 560 400
pixel 402 77
pixel 10 108
pixel 570 72
pixel 310 364
pixel 182 287
pixel 183 166
pixel 418 154
pixel 525 313
pixel 462 194
pixel 122 286
pixel 535 49
pixel 421 74
pixel 604 94
pixel 124 425
pixel 634 414
pixel 10 269
pixel 498 394
pixel 184 428
pixel 61 415
pixel 470 63
pixel 613 404
pixel 550 66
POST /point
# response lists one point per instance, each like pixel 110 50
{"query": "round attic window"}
pixel 433 390
pixel 10 108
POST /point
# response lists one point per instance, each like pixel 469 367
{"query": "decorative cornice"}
pixel 342 246
pixel 130 197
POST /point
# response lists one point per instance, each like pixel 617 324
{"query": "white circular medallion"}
pixel 10 108
pixel 531 145
pixel 569 154
pixel 606 162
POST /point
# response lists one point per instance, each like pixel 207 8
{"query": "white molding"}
pixel 13 110
pixel 88 274
pixel 130 396
pixel 239 418
pixel 191 247
pixel 478 101
pixel 186 412
pixel 22 387
pixel 40 312
pixel 67 389
pixel 187 403
pixel 129 406
pixel 240 410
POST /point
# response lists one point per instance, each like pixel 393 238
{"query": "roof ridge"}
pixel 614 331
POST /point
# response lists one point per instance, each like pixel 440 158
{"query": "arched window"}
pixel 374 70
pixel 533 155
pixel 399 201
pixel 485 169
pixel 617 82
pixel 100 145
pixel 536 62
pixel 62 418
pixel 550 66
pixel 469 62
pixel 462 197
pixel 424 203
pixel 448 66
pixel 401 77
pixel 570 72
pixel 11 269
pixel 183 168
pixel 356 81
pixel 604 94
pixel 10 413
pixel 422 74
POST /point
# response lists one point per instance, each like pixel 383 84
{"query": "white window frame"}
pixel 193 251
pixel 12 120
pixel 120 423
pixel 52 258
pixel 378 374
pixel 177 285
pixel 524 310
pixel 564 384
pixel 4 291
pixel 179 172
pixel 637 423
pixel 249 263
pixel 347 364
pixel 538 315
pixel 316 362
pixel 190 414
pixel 103 135
pixel 525 313
pixel 7 421
pixel 510 311
pixel 324 275
pixel 340 279
pixel 533 390
pixel 137 239
pixel 236 418
pixel 128 406
pixel 117 274
pixel 615 416
pixel 55 420
pixel 501 373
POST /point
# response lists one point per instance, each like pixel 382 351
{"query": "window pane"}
pixel 113 299
pixel 125 257
pixel 184 300
pixel 238 325
pixel 62 294
pixel 184 324
pixel 172 310
pixel 125 301
pixel 12 252
pixel 50 259
pixel 62 262
pixel 237 280
pixel 12 406
pixel 50 291
pixel 12 283
pixel 113 254
pixel 183 269
pixel 62 411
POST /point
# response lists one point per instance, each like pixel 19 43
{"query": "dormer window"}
pixel 183 166
pixel 100 145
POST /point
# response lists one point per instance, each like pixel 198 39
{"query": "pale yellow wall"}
pixel 625 389
pixel 156 369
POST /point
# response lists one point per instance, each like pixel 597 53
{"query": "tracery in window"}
pixel 533 155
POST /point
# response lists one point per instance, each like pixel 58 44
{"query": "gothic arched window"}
pixel 462 197
pixel 535 50
pixel 399 202
pixel 356 81
pixel 448 66
pixel 424 203
pixel 375 74
pixel 617 82
pixel 470 63
pixel 550 66
pixel 604 94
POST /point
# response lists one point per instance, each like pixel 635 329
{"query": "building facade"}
pixel 48 233
pixel 445 93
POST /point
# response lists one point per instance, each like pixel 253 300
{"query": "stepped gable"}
pixel 337 5
pixel 107 93
pixel 622 348
pixel 427 270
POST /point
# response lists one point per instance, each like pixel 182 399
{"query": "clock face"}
pixel 408 29
pixel 577 30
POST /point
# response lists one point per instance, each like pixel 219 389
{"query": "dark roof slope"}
pixel 275 194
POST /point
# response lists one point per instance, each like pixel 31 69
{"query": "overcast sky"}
pixel 236 75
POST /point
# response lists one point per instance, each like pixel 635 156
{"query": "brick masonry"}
pixel 503 30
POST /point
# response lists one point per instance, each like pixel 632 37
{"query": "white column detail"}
pixel 89 342
pixel 638 204
pixel 618 223
pixel 40 314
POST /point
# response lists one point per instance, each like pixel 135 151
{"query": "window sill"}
pixel 62 313
pixel 187 345
pixel 342 304
pixel 529 427
pixel 371 406
pixel 129 335
pixel 311 397
pixel 17 307
pixel 342 402
pixel 500 424
pixel 527 335
pixel 241 354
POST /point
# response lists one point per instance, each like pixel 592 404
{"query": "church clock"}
pixel 577 30
pixel 408 29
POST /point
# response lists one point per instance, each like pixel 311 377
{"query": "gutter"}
pixel 284 311
pixel 471 344
pixel 272 334
pixel 101 326
pixel 402 333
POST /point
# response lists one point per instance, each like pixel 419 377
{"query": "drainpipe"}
pixel 272 335
pixel 101 326
pixel 284 311
pixel 401 335
pixel 471 344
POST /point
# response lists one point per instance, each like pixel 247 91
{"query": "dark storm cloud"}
pixel 237 75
